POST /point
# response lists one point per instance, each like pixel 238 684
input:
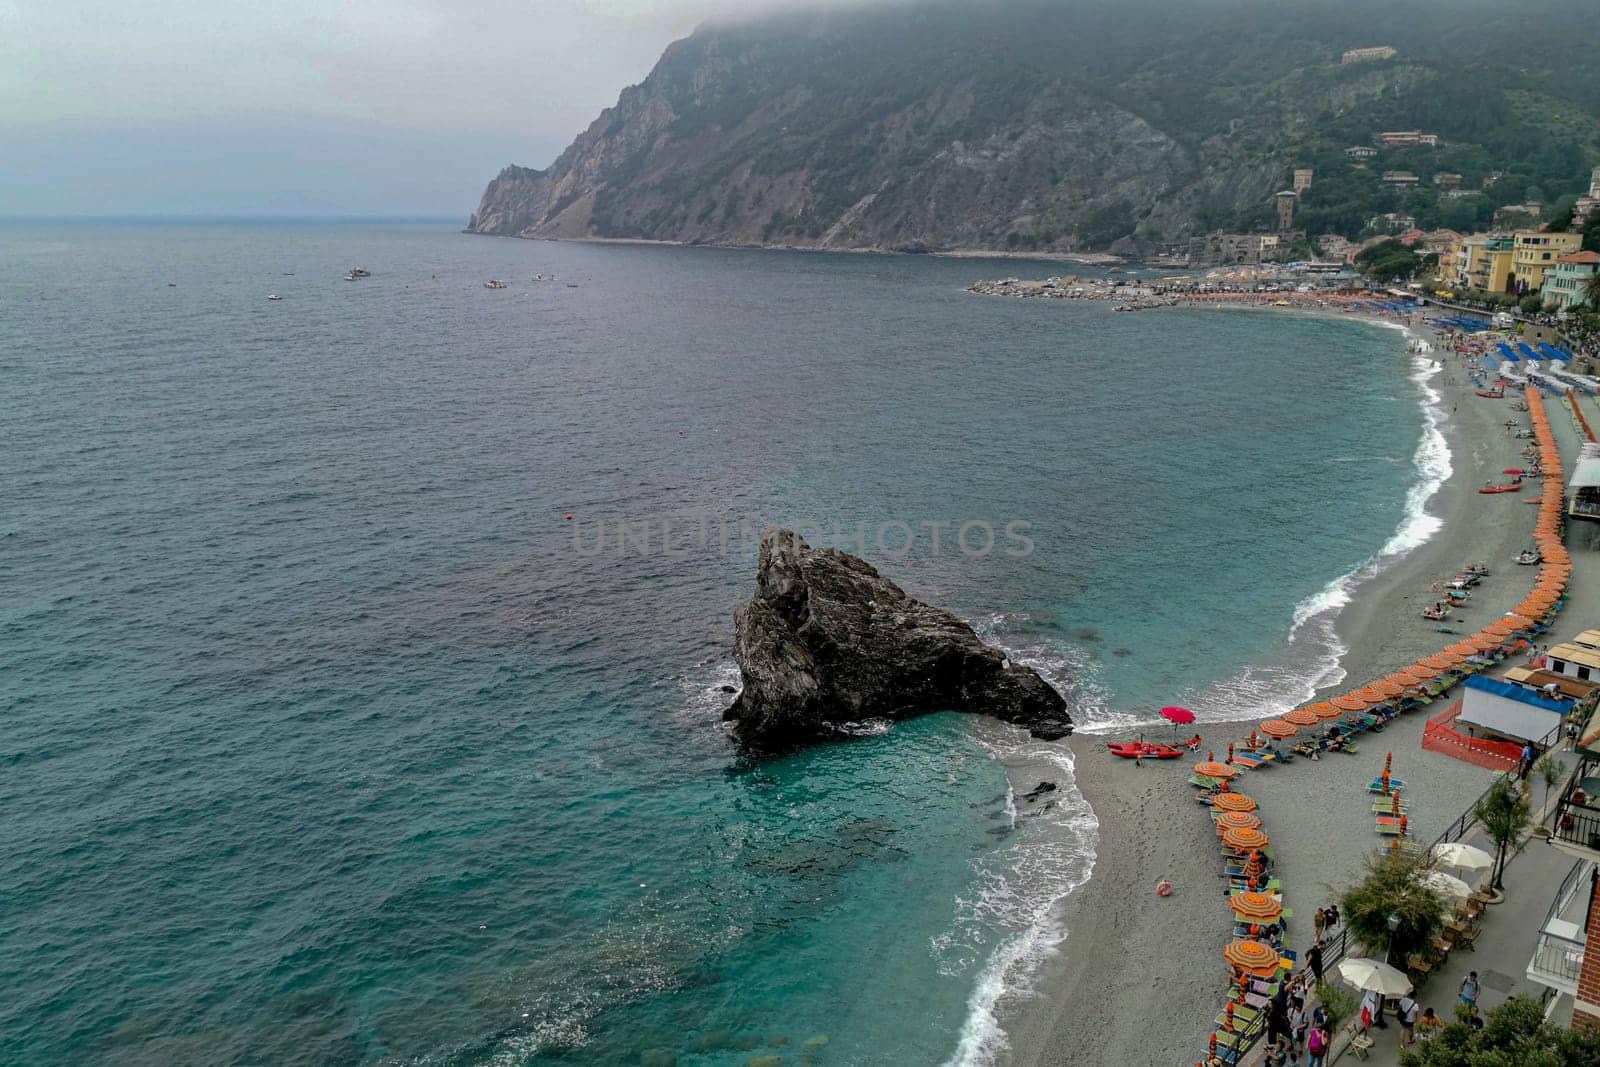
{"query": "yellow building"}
pixel 1536 252
pixel 1482 262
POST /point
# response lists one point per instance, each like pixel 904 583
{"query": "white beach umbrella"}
pixel 1373 975
pixel 1468 857
pixel 1447 885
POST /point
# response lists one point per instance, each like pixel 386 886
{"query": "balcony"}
pixel 1558 952
pixel 1575 824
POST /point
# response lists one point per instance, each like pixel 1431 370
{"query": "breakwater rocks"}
pixel 827 642
pixel 1126 297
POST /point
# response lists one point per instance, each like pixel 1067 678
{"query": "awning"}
pixel 1508 710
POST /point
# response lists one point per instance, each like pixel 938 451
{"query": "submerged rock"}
pixel 827 641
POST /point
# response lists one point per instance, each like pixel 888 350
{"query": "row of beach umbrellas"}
pixel 1554 572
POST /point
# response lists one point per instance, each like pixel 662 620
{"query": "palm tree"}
pixel 1504 814
pixel 1591 291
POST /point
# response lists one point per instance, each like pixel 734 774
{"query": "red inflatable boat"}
pixel 1130 749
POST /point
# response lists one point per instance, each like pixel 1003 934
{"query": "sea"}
pixel 363 653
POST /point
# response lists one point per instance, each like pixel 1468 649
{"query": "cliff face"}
pixel 1020 125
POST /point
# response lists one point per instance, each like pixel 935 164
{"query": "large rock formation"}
pixel 828 641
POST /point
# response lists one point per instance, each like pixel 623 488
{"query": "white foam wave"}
pixel 1259 691
pixel 1070 669
pixel 1023 896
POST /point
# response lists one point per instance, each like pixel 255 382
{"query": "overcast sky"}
pixel 306 106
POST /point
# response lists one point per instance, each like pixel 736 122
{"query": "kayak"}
pixel 1501 489
pixel 1130 749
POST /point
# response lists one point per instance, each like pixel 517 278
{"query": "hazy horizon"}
pixel 404 109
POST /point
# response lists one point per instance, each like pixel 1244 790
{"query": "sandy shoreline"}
pixel 1139 979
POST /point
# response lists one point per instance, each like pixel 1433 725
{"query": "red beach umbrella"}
pixel 1180 716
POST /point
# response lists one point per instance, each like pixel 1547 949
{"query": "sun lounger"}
pixel 1249 760
pixel 1386 807
pixel 1376 785
pixel 1202 781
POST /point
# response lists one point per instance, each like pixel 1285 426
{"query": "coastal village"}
pixel 1508 685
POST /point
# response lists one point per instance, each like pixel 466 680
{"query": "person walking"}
pixel 1470 990
pixel 1317 1046
pixel 1314 959
pixel 1299 1023
pixel 1407 1014
pixel 1320 921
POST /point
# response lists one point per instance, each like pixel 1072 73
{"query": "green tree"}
pixel 1549 769
pixel 1591 291
pixel 1514 1035
pixel 1338 1003
pixel 1503 813
pixel 1390 907
pixel 1531 303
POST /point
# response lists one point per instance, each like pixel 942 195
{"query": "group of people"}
pixel 1293 1031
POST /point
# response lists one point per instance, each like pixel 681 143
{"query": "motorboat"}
pixel 1528 557
pixel 356 272
pixel 274 296
pixel 494 283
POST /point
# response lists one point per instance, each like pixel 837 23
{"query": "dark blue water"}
pixel 328 738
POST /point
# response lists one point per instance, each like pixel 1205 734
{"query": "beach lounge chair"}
pixel 1248 760
pixel 1376 785
pixel 1388 827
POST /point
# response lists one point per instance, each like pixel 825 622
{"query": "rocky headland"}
pixel 828 643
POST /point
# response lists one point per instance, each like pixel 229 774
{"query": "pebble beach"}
pixel 1139 978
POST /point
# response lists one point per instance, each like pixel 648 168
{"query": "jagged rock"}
pixel 828 641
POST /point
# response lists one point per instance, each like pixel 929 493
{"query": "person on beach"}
pixel 1470 990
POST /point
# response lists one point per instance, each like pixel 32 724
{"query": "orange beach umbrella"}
pixel 1441 662
pixel 1349 702
pixel 1389 687
pixel 1324 709
pixel 1252 957
pixel 1302 717
pixel 1278 728
pixel 1232 802
pixel 1239 820
pixel 1245 838
pixel 1257 907
pixel 1212 769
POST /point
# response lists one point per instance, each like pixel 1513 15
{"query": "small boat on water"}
pixel 494 283
pixel 357 272
pixel 274 296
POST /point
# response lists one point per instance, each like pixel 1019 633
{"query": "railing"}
pixel 1333 950
pixel 1469 818
pixel 1577 824
pixel 1554 954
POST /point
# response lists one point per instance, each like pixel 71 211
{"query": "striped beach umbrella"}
pixel 1252 957
pixel 1278 728
pixel 1212 769
pixel 1440 662
pixel 1302 717
pixel 1245 839
pixel 1232 802
pixel 1349 702
pixel 1324 709
pixel 1238 820
pixel 1256 907
pixel 1389 688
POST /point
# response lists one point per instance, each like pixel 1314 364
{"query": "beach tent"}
pixel 1505 350
pixel 1508 711
pixel 1523 348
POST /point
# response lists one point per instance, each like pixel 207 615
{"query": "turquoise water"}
pixel 329 739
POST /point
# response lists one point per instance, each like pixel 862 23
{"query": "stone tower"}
pixel 1302 179
pixel 1286 201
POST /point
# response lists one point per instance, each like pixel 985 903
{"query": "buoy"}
pixel 1163 889
pixel 569 516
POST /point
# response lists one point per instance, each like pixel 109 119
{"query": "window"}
pixel 1583 674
